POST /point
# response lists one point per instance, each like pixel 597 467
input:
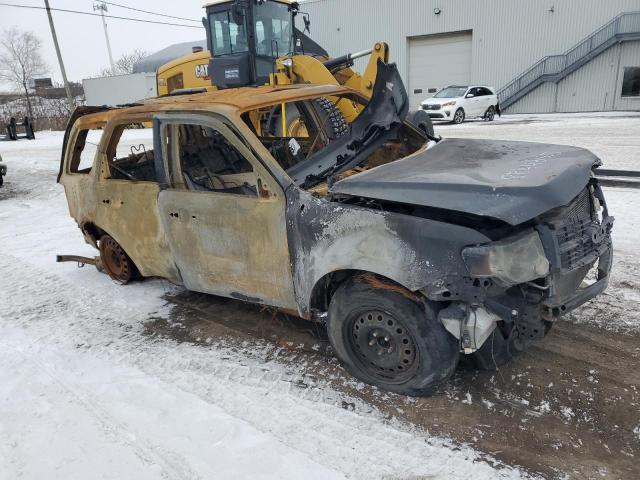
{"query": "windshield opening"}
pixel 309 127
pixel 451 92
pixel 227 36
pixel 273 29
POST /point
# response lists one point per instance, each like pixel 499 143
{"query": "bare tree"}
pixel 20 60
pixel 125 63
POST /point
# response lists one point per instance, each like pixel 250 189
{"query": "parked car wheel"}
pixel 115 260
pixel 386 337
pixel 490 114
pixel 458 117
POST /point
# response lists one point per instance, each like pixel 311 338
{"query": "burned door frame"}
pixel 224 243
pixel 127 210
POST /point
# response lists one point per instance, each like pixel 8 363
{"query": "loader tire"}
pixel 331 118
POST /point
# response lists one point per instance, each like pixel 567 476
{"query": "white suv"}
pixel 455 103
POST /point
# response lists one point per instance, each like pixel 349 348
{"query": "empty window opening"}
pixel 85 149
pixel 302 130
pixel 209 162
pixel 130 152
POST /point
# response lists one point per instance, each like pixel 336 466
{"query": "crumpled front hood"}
pixel 510 181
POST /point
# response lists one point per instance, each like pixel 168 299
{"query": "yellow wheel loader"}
pixel 255 42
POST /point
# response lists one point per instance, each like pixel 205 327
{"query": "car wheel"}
pixel 458 117
pixel 387 337
pixel 490 114
pixel 1 180
pixel 115 260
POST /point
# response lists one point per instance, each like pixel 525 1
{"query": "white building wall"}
pixel 508 35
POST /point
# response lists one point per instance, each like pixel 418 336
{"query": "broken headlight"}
pixel 515 260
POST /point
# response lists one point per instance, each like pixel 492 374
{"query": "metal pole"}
pixel 103 8
pixel 62 70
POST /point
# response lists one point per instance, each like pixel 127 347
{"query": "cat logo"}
pixel 202 70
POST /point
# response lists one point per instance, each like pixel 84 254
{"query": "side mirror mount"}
pixel 469 95
pixel 237 12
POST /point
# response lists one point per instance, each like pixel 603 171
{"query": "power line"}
pixel 3 4
pixel 150 12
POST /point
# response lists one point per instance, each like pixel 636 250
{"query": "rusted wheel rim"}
pixel 115 260
pixel 383 345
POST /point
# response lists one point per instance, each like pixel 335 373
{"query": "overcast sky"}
pixel 81 37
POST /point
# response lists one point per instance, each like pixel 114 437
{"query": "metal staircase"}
pixel 553 68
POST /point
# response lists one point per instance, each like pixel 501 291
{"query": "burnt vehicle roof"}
pixel 511 181
pixel 241 99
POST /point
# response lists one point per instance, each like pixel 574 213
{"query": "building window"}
pixel 631 82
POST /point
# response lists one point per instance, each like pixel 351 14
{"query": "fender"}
pixel 327 236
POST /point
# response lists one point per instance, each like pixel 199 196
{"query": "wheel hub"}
pixel 383 345
pixel 114 260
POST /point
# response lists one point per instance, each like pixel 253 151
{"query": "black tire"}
pixel 331 118
pixel 422 120
pixel 458 117
pixel 1 180
pixel 385 337
pixel 490 114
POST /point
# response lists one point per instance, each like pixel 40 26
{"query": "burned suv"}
pixel 412 250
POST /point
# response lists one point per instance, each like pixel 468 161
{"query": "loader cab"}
pixel 245 37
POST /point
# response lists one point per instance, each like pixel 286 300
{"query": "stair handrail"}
pixel 541 67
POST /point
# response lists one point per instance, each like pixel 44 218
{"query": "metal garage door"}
pixel 436 61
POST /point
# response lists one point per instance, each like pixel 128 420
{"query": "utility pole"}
pixel 72 105
pixel 102 7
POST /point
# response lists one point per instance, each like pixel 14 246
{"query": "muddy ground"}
pixel 567 407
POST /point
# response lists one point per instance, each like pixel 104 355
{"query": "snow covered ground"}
pixel 85 393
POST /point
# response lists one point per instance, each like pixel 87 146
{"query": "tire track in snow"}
pixel 363 446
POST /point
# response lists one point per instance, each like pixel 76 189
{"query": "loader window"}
pixel 84 150
pixel 209 163
pixel 273 29
pixel 227 36
pixel 130 152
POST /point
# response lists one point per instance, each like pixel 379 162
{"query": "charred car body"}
pixel 412 250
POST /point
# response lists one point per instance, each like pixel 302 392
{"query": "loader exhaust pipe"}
pixel 345 60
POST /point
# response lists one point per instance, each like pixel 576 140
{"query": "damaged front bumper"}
pixel 575 242
pixel 556 306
